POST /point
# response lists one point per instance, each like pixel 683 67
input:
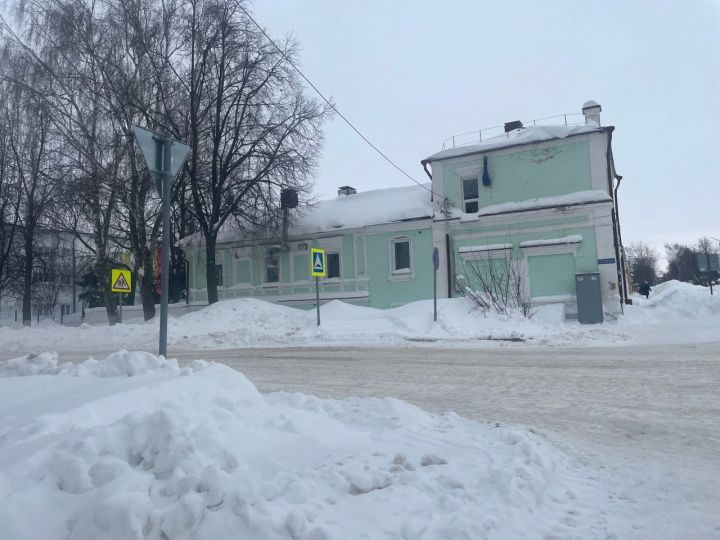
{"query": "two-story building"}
pixel 543 196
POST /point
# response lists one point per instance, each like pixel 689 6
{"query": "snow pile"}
pixel 199 453
pixel 682 300
pixel 121 363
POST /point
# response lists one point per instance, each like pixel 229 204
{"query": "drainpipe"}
pixel 425 164
pixel 448 251
pixel 617 238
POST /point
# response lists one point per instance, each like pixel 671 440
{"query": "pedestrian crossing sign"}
pixel 120 280
pixel 317 262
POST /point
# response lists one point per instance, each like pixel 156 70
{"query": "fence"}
pixel 481 135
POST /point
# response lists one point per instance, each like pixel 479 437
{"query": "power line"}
pixel 330 104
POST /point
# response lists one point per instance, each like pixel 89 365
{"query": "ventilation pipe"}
pixel 288 201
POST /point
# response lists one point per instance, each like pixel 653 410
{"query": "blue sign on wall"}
pixel 610 260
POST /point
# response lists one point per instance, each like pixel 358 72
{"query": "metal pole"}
pixel 164 277
pixel 434 293
pixel 317 298
pixel 120 306
pixel 74 277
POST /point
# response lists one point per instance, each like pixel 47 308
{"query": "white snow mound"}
pixel 167 453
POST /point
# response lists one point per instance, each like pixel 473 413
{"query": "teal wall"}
pixel 549 275
pixel 386 291
pixel 524 174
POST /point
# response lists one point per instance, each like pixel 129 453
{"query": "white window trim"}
pixel 551 249
pixel 492 251
pixel 464 179
pixel 266 283
pixel 402 274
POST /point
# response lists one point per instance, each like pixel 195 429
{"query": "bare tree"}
pixel 250 128
pixel 643 263
pixel 9 202
pixel 497 283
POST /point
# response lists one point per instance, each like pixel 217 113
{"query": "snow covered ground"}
pixel 133 447
pixel 675 313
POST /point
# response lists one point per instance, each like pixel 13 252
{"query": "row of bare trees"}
pixel 76 75
pixel 682 261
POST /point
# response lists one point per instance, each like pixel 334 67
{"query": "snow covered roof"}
pixel 537 203
pixel 527 135
pixel 375 207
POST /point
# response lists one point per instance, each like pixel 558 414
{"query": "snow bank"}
pixel 249 322
pixel 121 363
pixel 200 453
pixel 675 313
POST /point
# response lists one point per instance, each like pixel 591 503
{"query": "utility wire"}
pixel 330 104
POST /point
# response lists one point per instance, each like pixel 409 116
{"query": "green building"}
pixel 542 198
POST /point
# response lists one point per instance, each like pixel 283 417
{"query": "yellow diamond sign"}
pixel 120 280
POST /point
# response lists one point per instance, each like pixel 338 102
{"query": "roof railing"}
pixel 480 135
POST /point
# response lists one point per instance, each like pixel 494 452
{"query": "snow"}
pixel 676 312
pixel 569 239
pixel 488 247
pixel 198 452
pixel 527 135
pixel 375 207
pixel 537 203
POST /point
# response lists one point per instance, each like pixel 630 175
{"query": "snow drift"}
pixel 135 447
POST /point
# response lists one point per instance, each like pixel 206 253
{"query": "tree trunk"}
pixel 147 293
pixel 210 270
pixel 27 284
pixel 103 272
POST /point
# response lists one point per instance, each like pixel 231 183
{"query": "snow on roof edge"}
pixel 520 137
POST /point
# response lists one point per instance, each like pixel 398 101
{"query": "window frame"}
pixel 470 200
pixel 220 282
pixel 276 255
pixel 401 273
pixel 327 262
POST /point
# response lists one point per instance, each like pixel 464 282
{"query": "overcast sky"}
pixel 411 73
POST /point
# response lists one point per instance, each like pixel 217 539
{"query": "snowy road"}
pixel 648 417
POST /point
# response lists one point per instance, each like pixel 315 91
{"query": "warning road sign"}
pixel 317 262
pixel 121 280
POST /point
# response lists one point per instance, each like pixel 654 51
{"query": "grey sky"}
pixel 411 73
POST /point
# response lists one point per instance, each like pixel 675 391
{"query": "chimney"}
pixel 591 109
pixel 344 191
pixel 512 126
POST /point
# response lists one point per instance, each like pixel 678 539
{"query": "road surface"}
pixel 647 417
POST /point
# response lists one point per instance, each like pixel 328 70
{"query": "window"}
pixel 219 275
pixel 333 265
pixel 272 268
pixel 470 195
pixel 400 252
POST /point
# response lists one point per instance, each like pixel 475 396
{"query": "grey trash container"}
pixel 589 298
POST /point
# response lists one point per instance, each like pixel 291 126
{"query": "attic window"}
pixel 470 195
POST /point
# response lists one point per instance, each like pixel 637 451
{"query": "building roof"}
pixel 374 207
pixel 518 137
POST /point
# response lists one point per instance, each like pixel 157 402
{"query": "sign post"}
pixel 120 283
pixel 163 156
pixel 436 265
pixel 318 269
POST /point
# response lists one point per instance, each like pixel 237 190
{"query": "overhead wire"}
pixel 332 106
